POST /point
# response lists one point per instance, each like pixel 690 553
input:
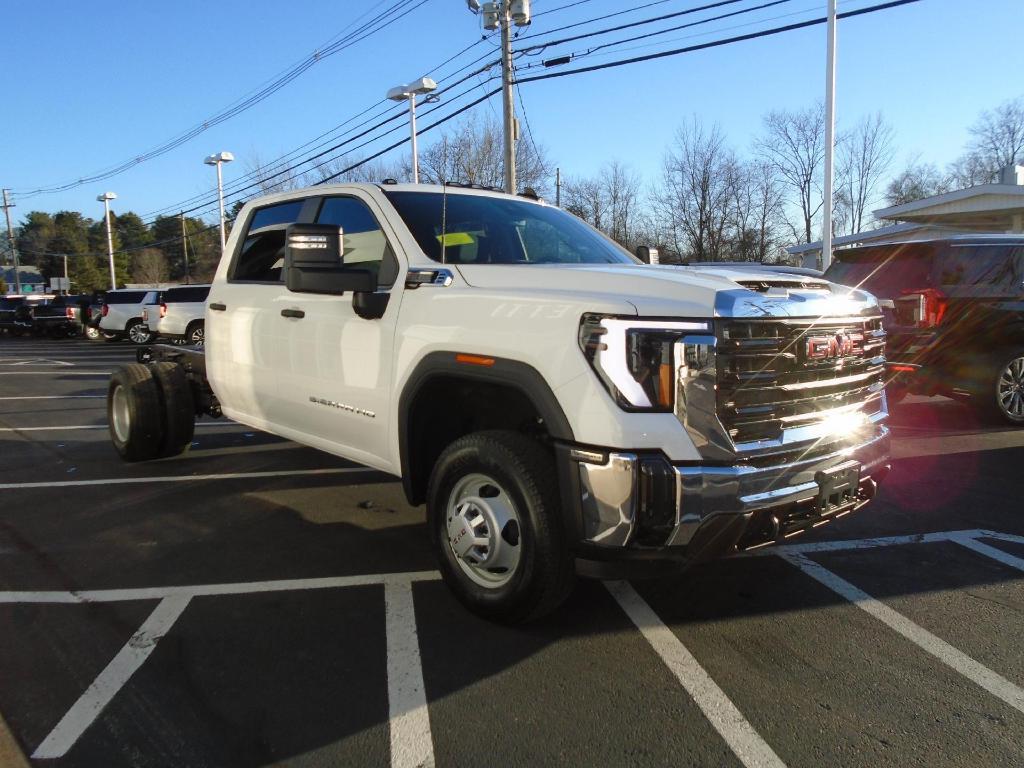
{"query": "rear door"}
pixel 247 341
pixel 338 373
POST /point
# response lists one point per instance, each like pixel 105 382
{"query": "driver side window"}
pixel 366 246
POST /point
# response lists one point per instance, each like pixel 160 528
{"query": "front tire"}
pixel 494 514
pixel 134 413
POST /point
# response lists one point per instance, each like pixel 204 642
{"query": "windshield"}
pixel 481 229
pixel 885 271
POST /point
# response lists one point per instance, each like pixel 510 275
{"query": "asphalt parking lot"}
pixel 258 603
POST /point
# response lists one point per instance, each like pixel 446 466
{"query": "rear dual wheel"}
pixel 150 411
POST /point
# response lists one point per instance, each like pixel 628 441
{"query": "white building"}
pixel 993 208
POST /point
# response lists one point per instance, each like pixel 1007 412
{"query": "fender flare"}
pixel 511 373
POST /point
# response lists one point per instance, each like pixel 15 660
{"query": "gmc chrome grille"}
pixel 781 374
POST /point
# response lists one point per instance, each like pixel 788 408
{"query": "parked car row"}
pixel 175 314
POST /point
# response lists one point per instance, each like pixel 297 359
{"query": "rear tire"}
pixel 179 416
pixel 999 395
pixel 500 490
pixel 134 413
pixel 91 333
pixel 138 333
pixel 195 334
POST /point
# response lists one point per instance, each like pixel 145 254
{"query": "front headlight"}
pixel 634 358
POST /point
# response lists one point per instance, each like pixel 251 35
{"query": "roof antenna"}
pixel 444 219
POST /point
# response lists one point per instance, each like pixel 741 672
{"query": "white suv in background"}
pixel 180 316
pixel 122 315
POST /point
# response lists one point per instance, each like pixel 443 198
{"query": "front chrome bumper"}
pixel 629 493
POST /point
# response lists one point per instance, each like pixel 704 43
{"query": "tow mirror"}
pixel 313 262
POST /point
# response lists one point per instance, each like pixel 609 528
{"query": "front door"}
pixel 338 376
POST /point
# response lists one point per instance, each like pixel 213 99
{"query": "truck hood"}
pixel 673 291
pixel 652 290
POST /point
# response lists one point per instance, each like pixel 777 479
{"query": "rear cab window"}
pixel 190 294
pixel 124 297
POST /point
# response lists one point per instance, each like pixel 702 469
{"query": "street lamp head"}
pixel 220 157
pixel 421 86
pixel 106 196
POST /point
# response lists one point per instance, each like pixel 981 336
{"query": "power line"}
pixel 396 11
pixel 716 43
pixel 591 21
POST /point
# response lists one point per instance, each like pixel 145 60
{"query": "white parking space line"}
pixel 185 478
pixel 739 734
pixel 63 427
pixel 411 743
pixel 996 554
pixel 55 397
pixel 103 689
pixel 955 659
pixel 852 544
pixel 214 590
pixel 52 373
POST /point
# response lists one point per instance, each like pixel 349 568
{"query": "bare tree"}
pixel 696 199
pixel 865 155
pixel 997 137
pixel 610 201
pixel 794 144
pixel 149 266
pixel 758 209
pixel 275 177
pixel 473 153
pixel 916 181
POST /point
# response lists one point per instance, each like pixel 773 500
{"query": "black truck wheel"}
pixel 134 413
pixel 1000 394
pixel 493 509
pixel 179 415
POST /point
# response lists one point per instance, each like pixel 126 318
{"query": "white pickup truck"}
pixel 560 407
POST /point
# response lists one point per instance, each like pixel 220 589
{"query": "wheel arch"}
pixel 521 382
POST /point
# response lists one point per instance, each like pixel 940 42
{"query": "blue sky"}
pixel 88 86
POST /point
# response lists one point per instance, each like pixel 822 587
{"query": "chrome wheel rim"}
pixel 197 337
pixel 484 531
pixel 92 333
pixel 138 334
pixel 1010 389
pixel 119 414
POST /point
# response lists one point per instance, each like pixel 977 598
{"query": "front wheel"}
pixel 92 333
pixel 494 515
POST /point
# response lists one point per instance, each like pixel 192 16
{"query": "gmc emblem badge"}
pixel 828 347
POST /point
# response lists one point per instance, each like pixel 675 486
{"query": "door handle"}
pixel 218 306
pixel 296 313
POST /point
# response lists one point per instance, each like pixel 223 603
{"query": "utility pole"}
pixel 504 14
pixel 830 131
pixel 67 283
pixel 184 244
pixel 558 187
pixel 10 239
pixel 509 108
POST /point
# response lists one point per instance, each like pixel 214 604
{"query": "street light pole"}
pixel 830 131
pixel 105 198
pixel 409 92
pixel 218 160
